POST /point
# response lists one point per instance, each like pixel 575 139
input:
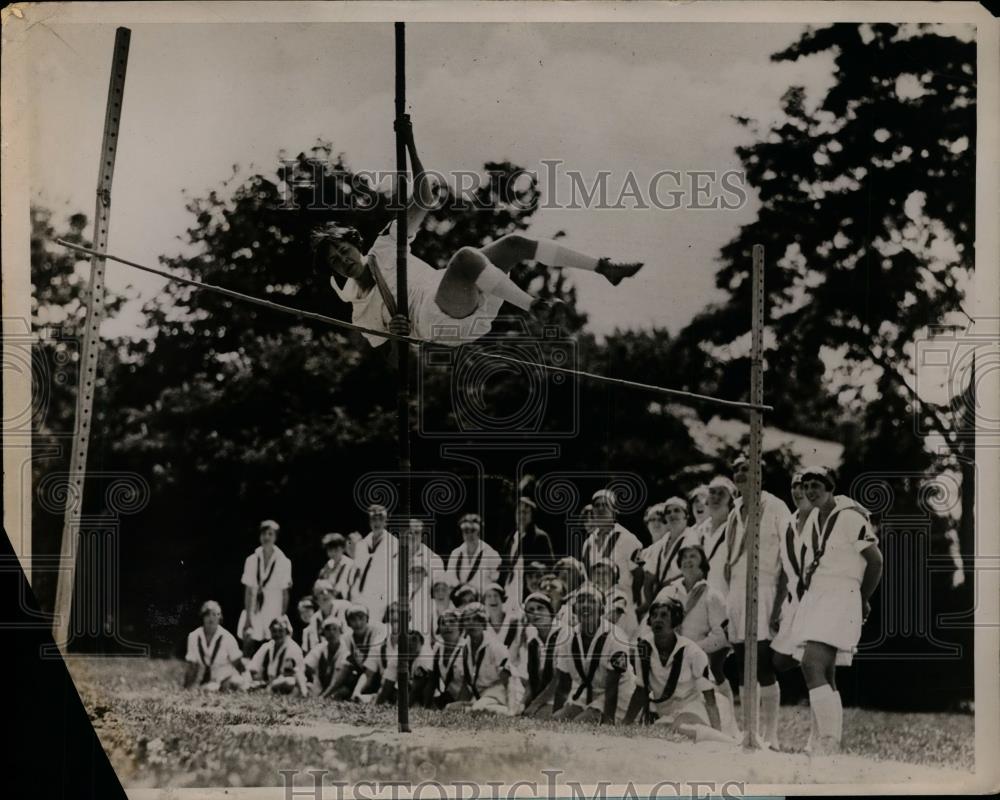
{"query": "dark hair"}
pixel 674 606
pixel 701 552
pixel 334 232
pixel 323 236
pixel 823 474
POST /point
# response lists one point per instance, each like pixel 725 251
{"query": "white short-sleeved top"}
pixel 479 568
pixel 340 575
pixel 676 682
pixel 322 665
pixel 217 655
pixel 482 666
pixel 794 552
pixel 541 653
pixel 268 583
pixel 363 654
pixel 448 667
pixel 834 551
pixel 368 309
pixel 375 574
pixel 272 662
pixel 660 558
pixel 774 520
pixel 313 632
pixel 511 635
pixel 388 660
pixel 620 546
pixel 589 666
pixel 713 542
pixel 705 614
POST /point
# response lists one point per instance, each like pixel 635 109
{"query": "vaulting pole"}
pixel 402 396
pixel 87 380
pixel 753 500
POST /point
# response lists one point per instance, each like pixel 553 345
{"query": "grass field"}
pixel 158 735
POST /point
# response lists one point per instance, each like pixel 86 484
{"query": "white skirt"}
pixel 786 644
pixel 830 613
pixel 783 642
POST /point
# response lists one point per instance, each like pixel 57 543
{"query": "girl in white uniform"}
pixel 339 567
pixel 673 680
pixel 508 626
pixel 662 566
pixel 420 659
pixel 843 570
pixel 323 661
pixel 453 305
pixel 705 623
pixel 712 531
pixel 774 520
pixel 279 664
pixel 541 642
pixel 213 654
pixel 474 562
pixel 267 577
pixel 609 539
pixel 594 676
pixel 485 666
pixel 448 678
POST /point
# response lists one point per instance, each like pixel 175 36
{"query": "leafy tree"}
pixel 867 211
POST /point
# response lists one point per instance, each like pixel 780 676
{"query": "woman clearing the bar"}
pixel 453 305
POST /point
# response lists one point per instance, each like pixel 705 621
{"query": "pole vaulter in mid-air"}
pixel 456 304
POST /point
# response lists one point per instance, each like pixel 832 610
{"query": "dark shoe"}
pixel 617 272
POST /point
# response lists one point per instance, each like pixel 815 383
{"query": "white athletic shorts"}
pixel 434 324
pixel 829 612
pixel 735 605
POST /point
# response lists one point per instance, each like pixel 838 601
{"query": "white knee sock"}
pixel 493 280
pixel 553 254
pixel 839 717
pixel 824 706
pixel 770 702
pixel 727 713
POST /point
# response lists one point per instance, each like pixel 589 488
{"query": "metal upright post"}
pixel 753 500
pixel 87 380
pixel 402 396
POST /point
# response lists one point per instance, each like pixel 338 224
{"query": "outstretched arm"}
pixel 424 193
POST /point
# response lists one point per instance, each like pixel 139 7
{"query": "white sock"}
pixel 839 718
pixel 493 280
pixel 824 706
pixel 770 702
pixel 812 730
pixel 553 254
pixel 727 709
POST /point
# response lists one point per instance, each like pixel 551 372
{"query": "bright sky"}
pixel 201 98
